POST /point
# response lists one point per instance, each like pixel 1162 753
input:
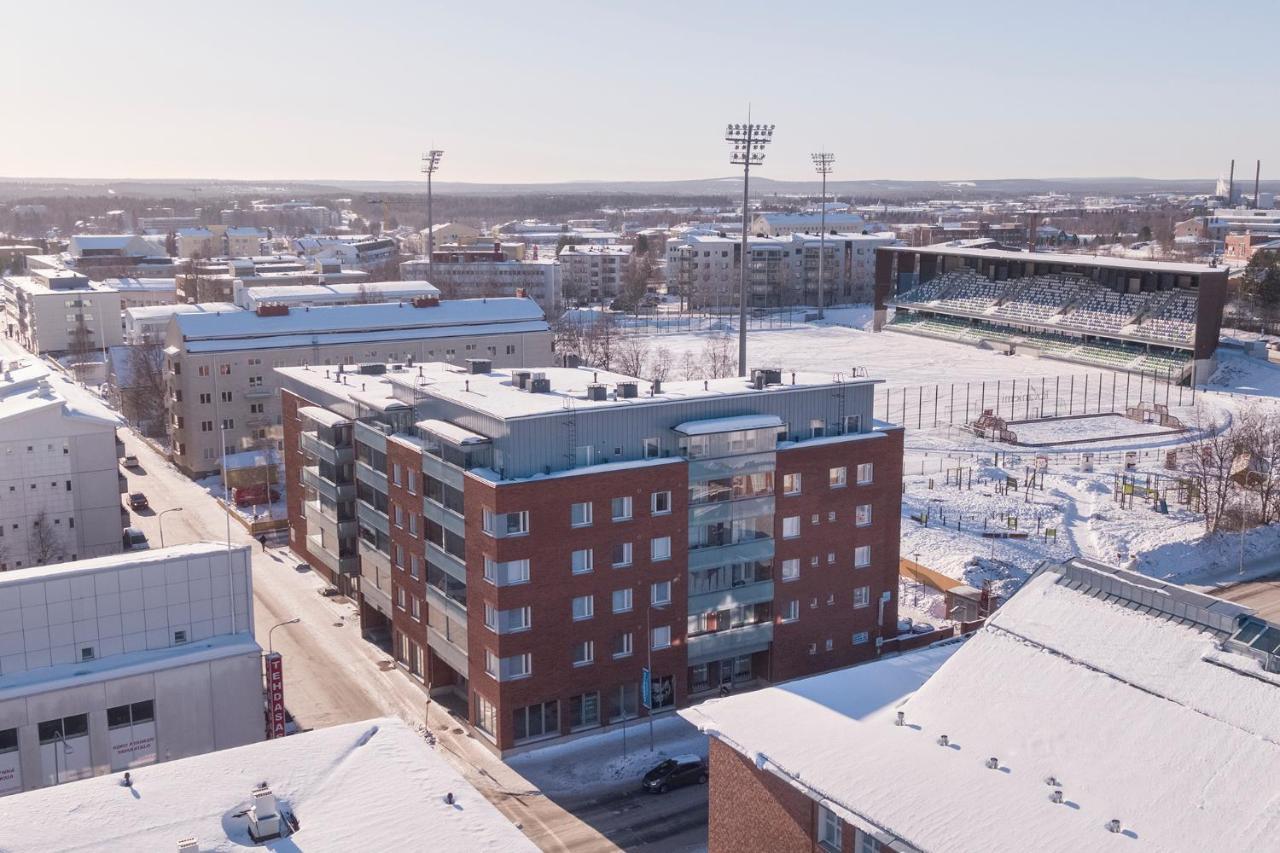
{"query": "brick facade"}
pixel 408 555
pixel 294 494
pixel 752 810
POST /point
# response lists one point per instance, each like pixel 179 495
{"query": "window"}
pixel 791 612
pixel 395 473
pixel 817 428
pixel 862 515
pixel 862 556
pixel 650 448
pixel 506 574
pixel 584 607
pixel 228 423
pixel 202 370
pixel 537 720
pixel 584 653
pixel 584 710
pixel 68 727
pixel 791 484
pixel 179 637
pixel 206 399
pixel 580 514
pixel 8 740
pixel 510 668
pixel 864 473
pixel 829 829
pixel 621 554
pixel 622 600
pixel 838 478
pixel 862 596
pixel 504 524
pixel 624 702
pixel 660 549
pixel 660 503
pixel 86 653
pixel 415 608
pixel 791 569
pixel 867 843
pixel 621 508
pixel 583 561
pixel 791 527
pixel 622 644
pixel 860 638
pixel 660 637
pixel 660 593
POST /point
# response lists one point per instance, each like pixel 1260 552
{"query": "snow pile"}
pixel 1132 715
pixel 374 785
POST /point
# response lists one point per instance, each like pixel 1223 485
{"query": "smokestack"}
pixel 1257 179
pixel 1231 186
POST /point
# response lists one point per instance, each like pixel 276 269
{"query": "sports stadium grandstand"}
pixel 1141 316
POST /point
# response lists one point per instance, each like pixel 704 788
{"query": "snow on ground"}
pixel 254 512
pixel 1087 429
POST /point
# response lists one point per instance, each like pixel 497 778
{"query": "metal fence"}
pixel 1014 399
pixel 683 322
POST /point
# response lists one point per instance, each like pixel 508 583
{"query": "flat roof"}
pixel 128 559
pixel 1112 685
pixel 152 312
pixel 373 785
pixel 1062 258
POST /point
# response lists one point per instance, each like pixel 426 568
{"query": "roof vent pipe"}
pixel 901 720
pixel 943 740
pixel 1113 825
pixel 993 763
pixel 1056 796
pixel 793 377
pixel 704 385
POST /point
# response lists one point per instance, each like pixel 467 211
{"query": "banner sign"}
pixel 275 695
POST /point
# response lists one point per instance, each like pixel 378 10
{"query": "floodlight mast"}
pixel 748 141
pixel 430 162
pixel 823 162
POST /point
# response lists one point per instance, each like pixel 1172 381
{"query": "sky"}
pixel 556 91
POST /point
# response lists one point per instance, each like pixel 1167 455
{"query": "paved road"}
pixel 1262 595
pixel 333 676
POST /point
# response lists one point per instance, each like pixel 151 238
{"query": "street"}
pixel 332 676
pixel 1263 595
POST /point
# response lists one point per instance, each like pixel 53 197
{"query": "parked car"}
pixel 135 540
pixel 674 773
pixel 130 461
pixel 138 501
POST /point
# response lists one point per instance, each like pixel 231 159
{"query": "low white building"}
pixel 198 242
pixel 148 325
pixel 244 241
pixel 143 292
pixel 61 311
pixel 782 224
pixel 333 294
pixel 370 786
pixel 469 272
pixel 123 661
pixel 59 481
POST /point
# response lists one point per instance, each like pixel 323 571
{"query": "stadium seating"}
pixel 1038 298
pixel 1174 321
pixel 1105 311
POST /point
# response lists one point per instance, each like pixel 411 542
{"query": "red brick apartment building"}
pixel 529 543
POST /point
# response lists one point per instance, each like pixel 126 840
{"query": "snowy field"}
pixel 1086 429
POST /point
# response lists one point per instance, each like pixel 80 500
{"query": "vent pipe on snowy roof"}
pixel 993 763
pixel 1056 796
pixel 1113 825
pixel 943 740
pixel 901 719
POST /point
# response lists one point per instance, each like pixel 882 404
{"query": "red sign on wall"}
pixel 275 695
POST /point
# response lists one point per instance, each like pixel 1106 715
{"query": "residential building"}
pixel 216 279
pixel 1242 247
pixel 61 311
pixel 143 292
pixel 593 273
pixel 118 662
pixel 811 221
pixel 198 242
pixel 244 241
pixel 1098 709
pixel 479 270
pixel 372 785
pixel 356 251
pixel 59 482
pixel 289 217
pixel 223 392
pixel 531 541
pixel 149 325
pixel 1228 220
pixel 332 294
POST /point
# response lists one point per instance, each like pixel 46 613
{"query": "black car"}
pixel 675 772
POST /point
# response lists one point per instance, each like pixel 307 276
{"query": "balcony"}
pixel 336 564
pixel 317 515
pixel 310 443
pixel 373 518
pixel 370 476
pixel 375 585
pixel 445 517
pixel 745 640
pixel 756 592
pixel 258 392
pixel 336 492
pixel 446 561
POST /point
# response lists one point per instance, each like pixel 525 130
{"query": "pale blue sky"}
pixel 539 91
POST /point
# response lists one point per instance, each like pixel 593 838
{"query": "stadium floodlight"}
pixel 430 162
pixel 748 141
pixel 823 162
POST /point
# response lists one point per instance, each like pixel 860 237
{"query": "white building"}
pixel 61 310
pixel 591 273
pixel 224 392
pixel 333 294
pixel 149 325
pixel 198 242
pixel 782 224
pixel 357 251
pixel 142 292
pixel 472 272
pixel 245 241
pixel 122 661
pixel 1099 710
pixel 57 469
pixel 370 786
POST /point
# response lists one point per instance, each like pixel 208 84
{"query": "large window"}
pixel 791 484
pixel 622 645
pixel 622 600
pixel 505 621
pixel 509 668
pixel 660 593
pixel 506 574
pixel 862 596
pixel 791 569
pixel 584 653
pixel 829 829
pixel 505 523
pixel 584 607
pixel 862 556
pixel 537 720
pixel 660 503
pixel 621 554
pixel 660 549
pixel 580 514
pixel 661 637
pixel 584 710
pixel 621 508
pixel 76 725
pixel 864 473
pixel 837 478
pixel 862 515
pixel 624 702
pixel 583 561
pixel 791 527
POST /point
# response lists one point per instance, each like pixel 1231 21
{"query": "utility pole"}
pixel 748 142
pixel 430 162
pixel 822 161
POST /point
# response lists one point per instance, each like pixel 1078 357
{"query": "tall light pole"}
pixel 430 162
pixel 160 521
pixel 822 161
pixel 294 621
pixel 748 142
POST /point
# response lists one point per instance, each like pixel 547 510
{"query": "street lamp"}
pixel 748 142
pixel 430 162
pixel 294 621
pixel 648 640
pixel 822 162
pixel 66 750
pixel 160 521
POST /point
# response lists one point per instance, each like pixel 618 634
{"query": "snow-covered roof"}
pixel 741 422
pixel 301 294
pixel 156 312
pixel 358 322
pixel 451 432
pixel 149 285
pixel 375 785
pixel 28 385
pixel 322 416
pixel 1110 684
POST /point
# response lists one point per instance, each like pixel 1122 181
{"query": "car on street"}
pixel 675 772
pixel 135 540
pixel 138 501
pixel 130 461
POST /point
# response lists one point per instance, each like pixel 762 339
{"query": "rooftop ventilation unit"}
pixel 627 390
pixel 596 391
pixel 264 816
pixel 273 309
pixel 520 378
pixel 763 376
pixel 376 369
pixel 189 845
pixel 943 740
pixel 539 384
pixel 426 301
pixel 479 365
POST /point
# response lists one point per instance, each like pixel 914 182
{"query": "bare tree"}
pixel 632 353
pixel 689 367
pixel 661 365
pixel 1257 464
pixel 142 388
pixel 46 545
pixel 718 358
pixel 1213 455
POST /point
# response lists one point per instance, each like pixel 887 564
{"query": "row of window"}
pixel 583 653
pixel 791 523
pixel 790 611
pixel 791 567
pixel 837 478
